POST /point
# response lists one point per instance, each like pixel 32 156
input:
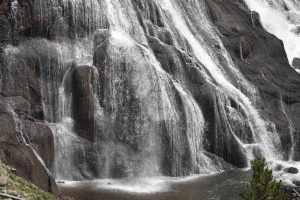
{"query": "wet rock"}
pixel 278 167
pixel 217 46
pixel 151 30
pixel 100 36
pixel 296 182
pixel 85 84
pixel 5 24
pixel 255 19
pixel 41 138
pixel 100 55
pixel 296 63
pixel 297 30
pixel 165 36
pixel 60 181
pixel 245 47
pixel 29 166
pixel 17 153
pixel 261 58
pixel 291 170
pixel 296 134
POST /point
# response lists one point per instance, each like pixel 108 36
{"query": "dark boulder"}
pixel 84 87
pixel 255 19
pixel 278 167
pixel 17 153
pixel 296 182
pixel 100 36
pixel 40 137
pixel 291 170
pixel 296 63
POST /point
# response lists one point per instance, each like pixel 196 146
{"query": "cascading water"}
pixel 202 54
pixel 281 18
pixel 136 88
pixel 135 80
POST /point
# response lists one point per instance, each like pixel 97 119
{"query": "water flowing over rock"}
pixel 281 18
pixel 126 88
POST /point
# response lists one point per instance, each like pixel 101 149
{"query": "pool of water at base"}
pixel 223 186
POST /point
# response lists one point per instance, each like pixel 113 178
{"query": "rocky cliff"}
pixel 262 60
pixel 95 89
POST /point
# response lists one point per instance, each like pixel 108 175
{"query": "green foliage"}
pixel 25 189
pixel 262 185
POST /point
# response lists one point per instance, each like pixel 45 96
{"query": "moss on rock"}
pixel 18 186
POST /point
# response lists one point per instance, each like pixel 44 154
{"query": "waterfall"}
pixel 141 98
pixel 262 136
pixel 137 88
pixel 281 18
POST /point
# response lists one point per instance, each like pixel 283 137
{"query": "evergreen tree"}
pixel 262 185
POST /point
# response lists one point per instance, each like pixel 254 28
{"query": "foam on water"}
pixel 279 171
pixel 218 186
pixel 135 185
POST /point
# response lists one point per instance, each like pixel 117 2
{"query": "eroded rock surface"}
pixel 263 61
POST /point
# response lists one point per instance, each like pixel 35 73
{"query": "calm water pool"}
pixel 223 186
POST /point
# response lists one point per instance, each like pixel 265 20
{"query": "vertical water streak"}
pixel 195 125
pixel 261 135
pixel 123 19
pixel 291 128
pixel 121 28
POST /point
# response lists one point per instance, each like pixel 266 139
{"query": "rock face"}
pixel 26 142
pixel 296 63
pixel 90 90
pixel 265 64
pixel 291 170
pixel 19 148
pixel 296 182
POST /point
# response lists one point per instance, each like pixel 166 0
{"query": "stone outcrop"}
pixel 26 142
pixel 296 63
pixel 261 58
pixel 84 84
pixel 20 148
pixel 291 170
